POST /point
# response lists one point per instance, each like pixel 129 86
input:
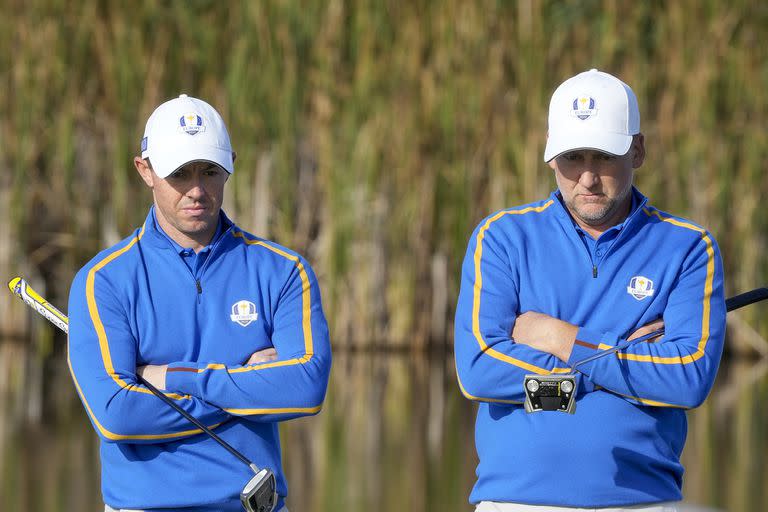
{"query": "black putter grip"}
pixel 745 299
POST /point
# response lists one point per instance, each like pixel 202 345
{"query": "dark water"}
pixel 395 435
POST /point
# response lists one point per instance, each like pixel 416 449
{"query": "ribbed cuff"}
pixel 181 377
pixel 586 345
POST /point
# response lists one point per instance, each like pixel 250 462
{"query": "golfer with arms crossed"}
pixel 228 324
pixel 551 283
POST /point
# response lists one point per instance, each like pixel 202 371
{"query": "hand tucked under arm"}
pixel 263 356
pixel 648 328
pixel 154 374
pixel 545 333
pixel 556 337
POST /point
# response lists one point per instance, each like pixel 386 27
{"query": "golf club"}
pixel 558 392
pixel 258 495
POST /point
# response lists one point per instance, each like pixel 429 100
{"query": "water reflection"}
pixel 395 434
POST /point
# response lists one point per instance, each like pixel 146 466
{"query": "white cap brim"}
pixel 166 163
pixel 561 142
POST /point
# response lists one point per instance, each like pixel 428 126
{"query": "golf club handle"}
pixel 21 289
pixel 159 394
pixel 746 298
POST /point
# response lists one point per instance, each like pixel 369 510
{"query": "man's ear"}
pixel 145 171
pixel 638 150
pixel 552 165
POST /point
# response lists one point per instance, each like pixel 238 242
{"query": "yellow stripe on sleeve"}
pixel 306 305
pixel 706 301
pixel 93 310
pixel 478 256
pixel 124 437
pixel 285 410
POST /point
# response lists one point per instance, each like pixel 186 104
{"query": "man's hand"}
pixel 545 333
pixel 648 328
pixel 262 356
pixel 154 374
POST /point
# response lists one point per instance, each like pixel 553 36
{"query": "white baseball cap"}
pixel 592 110
pixel 185 130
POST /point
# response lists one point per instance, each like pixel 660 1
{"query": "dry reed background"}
pixel 371 135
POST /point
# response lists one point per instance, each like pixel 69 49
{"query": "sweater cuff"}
pixel 587 344
pixel 181 377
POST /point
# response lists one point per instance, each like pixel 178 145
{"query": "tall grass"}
pixel 371 135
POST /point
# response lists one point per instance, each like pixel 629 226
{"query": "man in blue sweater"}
pixel 229 325
pixel 551 283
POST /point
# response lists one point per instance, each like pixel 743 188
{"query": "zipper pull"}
pixel 199 287
pixel 594 272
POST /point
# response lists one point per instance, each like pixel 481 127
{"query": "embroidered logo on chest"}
pixel 244 312
pixel 640 287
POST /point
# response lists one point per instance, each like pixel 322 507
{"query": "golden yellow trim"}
pixel 645 401
pixel 706 302
pixel 306 302
pixel 479 286
pixel 121 437
pixel 480 399
pixel 262 366
pixel 93 309
pixel 286 410
pixel 107 358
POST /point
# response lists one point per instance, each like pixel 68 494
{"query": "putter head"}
pixel 260 493
pixel 550 393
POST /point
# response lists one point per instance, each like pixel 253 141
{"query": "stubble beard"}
pixel 598 216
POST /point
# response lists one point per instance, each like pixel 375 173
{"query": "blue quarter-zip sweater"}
pixel 140 303
pixel 623 444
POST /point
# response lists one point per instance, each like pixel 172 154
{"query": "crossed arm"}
pixel 155 374
pixel 553 336
pixel 497 344
pixel 103 353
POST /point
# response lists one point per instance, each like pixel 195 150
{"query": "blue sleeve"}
pixel 292 386
pixel 102 359
pixel 680 368
pixel 490 366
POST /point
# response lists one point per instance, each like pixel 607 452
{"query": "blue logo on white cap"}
pixel 584 107
pixel 191 123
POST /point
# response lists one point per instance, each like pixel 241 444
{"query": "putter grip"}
pixel 745 299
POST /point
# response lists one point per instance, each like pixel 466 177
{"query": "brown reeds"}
pixel 371 136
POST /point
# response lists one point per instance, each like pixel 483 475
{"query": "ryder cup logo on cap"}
pixel 185 130
pixel 191 124
pixel 592 110
pixel 584 107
